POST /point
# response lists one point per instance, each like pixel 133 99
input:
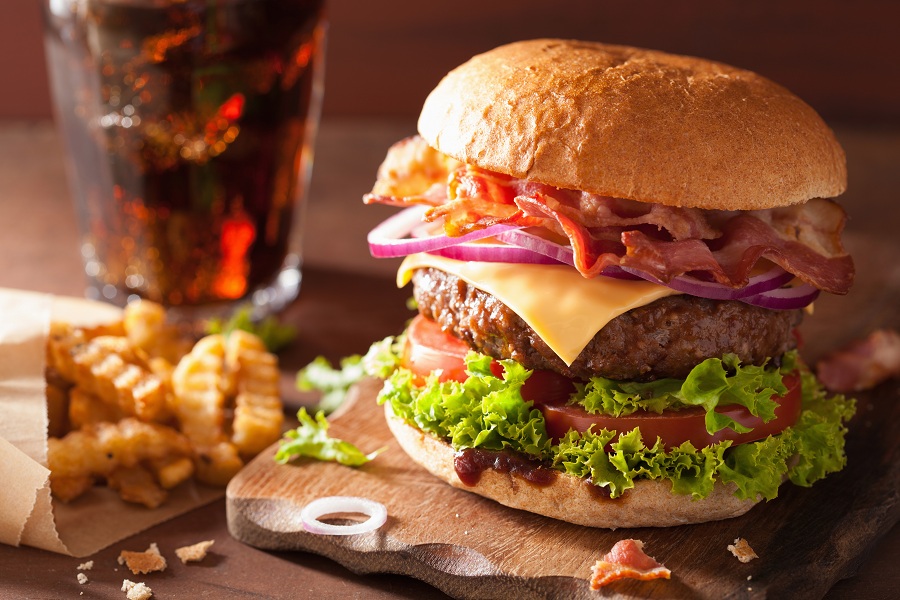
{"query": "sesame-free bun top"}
pixel 633 123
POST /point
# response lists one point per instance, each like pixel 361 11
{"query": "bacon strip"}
pixel 746 240
pixel 412 173
pixel 863 364
pixel 663 241
pixel 626 560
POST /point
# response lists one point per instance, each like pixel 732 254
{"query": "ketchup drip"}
pixel 472 462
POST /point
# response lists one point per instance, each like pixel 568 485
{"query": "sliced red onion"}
pixel 389 239
pixel 501 253
pixel 772 279
pixel 535 243
pixel 330 505
pixel 785 298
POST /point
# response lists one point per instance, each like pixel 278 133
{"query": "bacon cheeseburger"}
pixel 610 249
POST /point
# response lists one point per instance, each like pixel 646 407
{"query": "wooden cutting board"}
pixel 471 547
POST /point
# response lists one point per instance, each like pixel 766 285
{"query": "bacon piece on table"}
pixel 862 364
pixel 626 560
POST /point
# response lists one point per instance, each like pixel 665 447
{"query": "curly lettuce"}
pixel 311 439
pixel 333 383
pixel 714 382
pixel 488 412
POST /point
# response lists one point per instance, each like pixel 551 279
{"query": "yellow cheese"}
pixel 564 309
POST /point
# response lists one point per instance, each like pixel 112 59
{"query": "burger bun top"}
pixel 633 123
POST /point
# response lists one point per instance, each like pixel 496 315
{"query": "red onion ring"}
pixel 788 298
pixel 388 239
pixel 503 253
pixel 310 514
pixel 535 243
pixel 772 279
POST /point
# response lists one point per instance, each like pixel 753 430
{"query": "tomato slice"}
pixel 675 427
pixel 428 349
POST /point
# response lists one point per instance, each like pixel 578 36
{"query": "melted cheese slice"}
pixel 564 309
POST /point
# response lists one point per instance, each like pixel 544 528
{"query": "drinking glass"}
pixel 188 127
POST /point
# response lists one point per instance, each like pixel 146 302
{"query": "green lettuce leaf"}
pixel 383 357
pixel 333 383
pixel 311 439
pixel 274 335
pixel 483 412
pixel 691 471
pixel 489 412
pixel 714 382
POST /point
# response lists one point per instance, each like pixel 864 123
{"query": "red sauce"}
pixel 599 492
pixel 472 462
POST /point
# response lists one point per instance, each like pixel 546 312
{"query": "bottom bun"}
pixel 568 498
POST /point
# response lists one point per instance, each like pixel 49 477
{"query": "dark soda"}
pixel 189 127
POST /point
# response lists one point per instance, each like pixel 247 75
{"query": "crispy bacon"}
pixel 863 364
pixel 746 240
pixel 412 173
pixel 626 560
pixel 663 241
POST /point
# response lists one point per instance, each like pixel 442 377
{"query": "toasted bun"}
pixel 648 504
pixel 633 123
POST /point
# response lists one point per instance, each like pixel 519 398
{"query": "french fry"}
pixel 69 488
pixel 100 448
pixel 62 340
pixel 144 321
pixel 162 368
pixel 172 471
pixel 146 328
pixel 137 485
pixel 87 409
pixel 110 388
pixel 217 464
pixel 258 415
pixel 197 382
pixel 108 367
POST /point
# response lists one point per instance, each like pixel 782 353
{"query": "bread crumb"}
pixel 195 552
pixel 86 566
pixel 742 550
pixel 144 562
pixel 136 591
pixel 82 578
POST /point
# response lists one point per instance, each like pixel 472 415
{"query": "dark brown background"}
pixel 842 57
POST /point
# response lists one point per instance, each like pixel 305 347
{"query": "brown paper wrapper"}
pixel 28 513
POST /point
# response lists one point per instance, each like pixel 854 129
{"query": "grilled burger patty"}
pixel 666 338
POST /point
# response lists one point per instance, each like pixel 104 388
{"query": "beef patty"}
pixel 666 338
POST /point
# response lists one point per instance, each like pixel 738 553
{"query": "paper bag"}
pixel 28 513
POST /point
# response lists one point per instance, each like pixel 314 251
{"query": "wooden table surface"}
pixel 347 301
